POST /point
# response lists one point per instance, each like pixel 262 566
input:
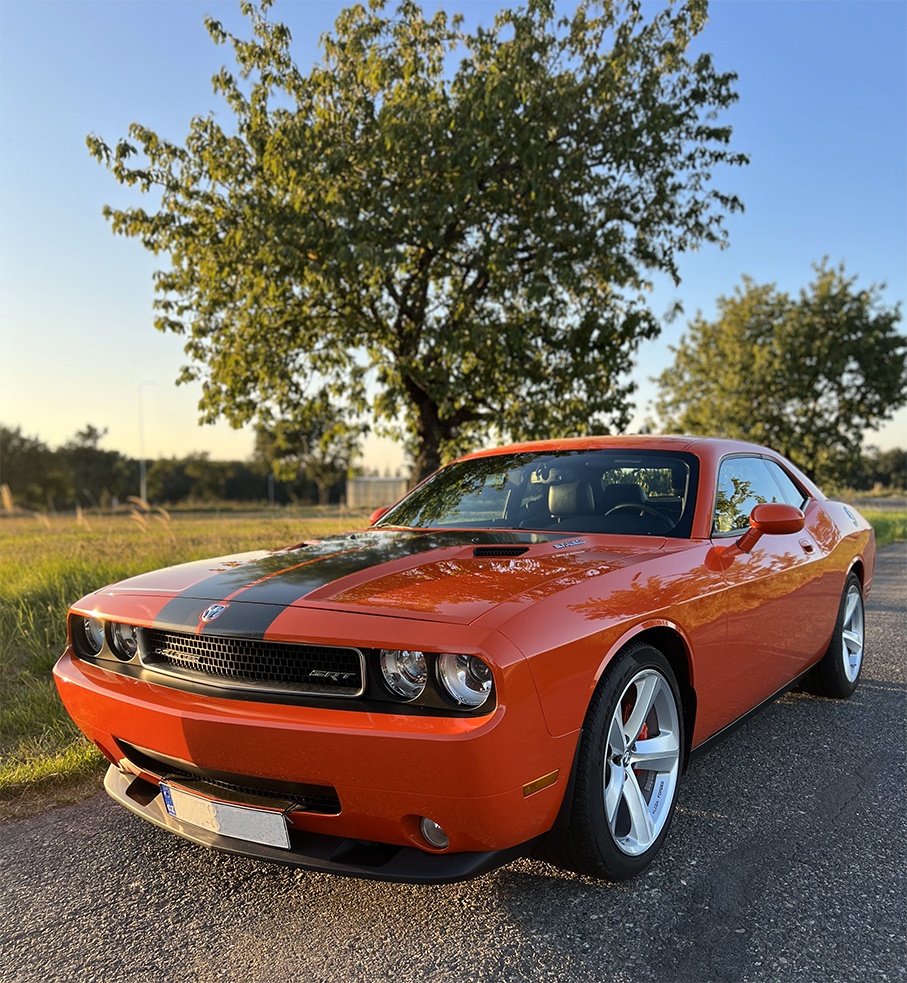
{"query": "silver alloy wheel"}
pixel 642 762
pixel 852 633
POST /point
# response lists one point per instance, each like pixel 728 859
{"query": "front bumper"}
pixel 473 776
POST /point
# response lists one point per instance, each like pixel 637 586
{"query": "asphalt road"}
pixel 787 861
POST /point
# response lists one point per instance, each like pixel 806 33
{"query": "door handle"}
pixel 807 546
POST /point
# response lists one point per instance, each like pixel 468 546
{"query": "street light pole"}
pixel 143 475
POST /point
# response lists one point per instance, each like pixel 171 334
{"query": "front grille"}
pixel 328 805
pixel 306 798
pixel 314 670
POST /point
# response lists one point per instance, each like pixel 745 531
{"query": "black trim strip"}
pixel 729 729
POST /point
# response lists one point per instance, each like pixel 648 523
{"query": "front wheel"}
pixel 628 770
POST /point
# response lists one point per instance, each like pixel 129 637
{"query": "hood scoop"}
pixel 500 550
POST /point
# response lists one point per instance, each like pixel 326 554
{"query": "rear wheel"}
pixel 628 770
pixel 838 672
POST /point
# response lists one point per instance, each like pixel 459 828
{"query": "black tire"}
pixel 609 835
pixel 837 674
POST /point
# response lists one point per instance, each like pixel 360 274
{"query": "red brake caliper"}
pixel 643 733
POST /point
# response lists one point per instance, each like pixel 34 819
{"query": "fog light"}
pixel 434 834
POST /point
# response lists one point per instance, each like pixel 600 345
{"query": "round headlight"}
pixel 466 678
pixel 405 673
pixel 125 642
pixel 94 634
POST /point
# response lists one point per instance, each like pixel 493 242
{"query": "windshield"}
pixel 647 493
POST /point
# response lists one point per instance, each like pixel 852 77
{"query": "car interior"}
pixel 645 494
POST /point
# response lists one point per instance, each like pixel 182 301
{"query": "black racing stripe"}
pixel 243 620
pixel 279 579
pixel 376 550
pixel 180 613
pixel 296 583
pixel 185 614
pixel 231 577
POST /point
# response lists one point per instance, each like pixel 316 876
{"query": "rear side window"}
pixel 743 483
pixel 791 492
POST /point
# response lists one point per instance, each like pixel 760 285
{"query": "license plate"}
pixel 267 826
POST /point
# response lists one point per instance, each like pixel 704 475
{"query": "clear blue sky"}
pixel 822 112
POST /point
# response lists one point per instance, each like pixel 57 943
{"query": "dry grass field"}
pixel 47 562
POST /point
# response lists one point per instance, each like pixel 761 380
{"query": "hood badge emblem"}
pixel 214 611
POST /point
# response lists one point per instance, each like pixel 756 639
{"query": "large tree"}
pixel 454 232
pixel 806 376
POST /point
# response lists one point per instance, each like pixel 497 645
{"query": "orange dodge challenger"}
pixel 521 656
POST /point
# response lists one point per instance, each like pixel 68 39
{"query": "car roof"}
pixel 706 447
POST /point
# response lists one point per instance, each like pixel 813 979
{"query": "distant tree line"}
pixel 80 474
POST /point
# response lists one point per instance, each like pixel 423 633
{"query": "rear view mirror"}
pixel 378 514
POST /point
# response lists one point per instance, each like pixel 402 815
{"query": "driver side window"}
pixel 743 483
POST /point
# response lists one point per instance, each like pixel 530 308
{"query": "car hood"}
pixel 437 575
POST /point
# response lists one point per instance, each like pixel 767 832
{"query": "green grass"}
pixel 890 525
pixel 47 563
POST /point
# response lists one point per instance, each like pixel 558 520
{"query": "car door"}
pixel 776 592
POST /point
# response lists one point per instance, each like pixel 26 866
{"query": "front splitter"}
pixel 317 851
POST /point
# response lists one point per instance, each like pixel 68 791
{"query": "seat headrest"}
pixel 571 498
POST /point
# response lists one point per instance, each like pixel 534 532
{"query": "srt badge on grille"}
pixel 214 611
pixel 332 675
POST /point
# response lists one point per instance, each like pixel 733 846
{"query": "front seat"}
pixel 571 499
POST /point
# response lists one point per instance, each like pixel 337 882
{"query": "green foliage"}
pixel 77 474
pixel 96 476
pixel 804 376
pixel 28 468
pixel 81 475
pixel 459 247
pixel 877 469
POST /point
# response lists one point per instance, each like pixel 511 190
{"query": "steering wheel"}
pixel 641 507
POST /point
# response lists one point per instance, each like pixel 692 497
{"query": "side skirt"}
pixel 726 731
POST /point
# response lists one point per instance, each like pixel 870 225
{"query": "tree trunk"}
pixel 324 492
pixel 429 432
pixel 428 458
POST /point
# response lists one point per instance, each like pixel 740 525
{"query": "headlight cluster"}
pixel 465 679
pixel 94 634
pixel 405 673
pixel 91 634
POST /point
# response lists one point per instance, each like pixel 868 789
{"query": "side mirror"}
pixel 770 519
pixel 378 514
